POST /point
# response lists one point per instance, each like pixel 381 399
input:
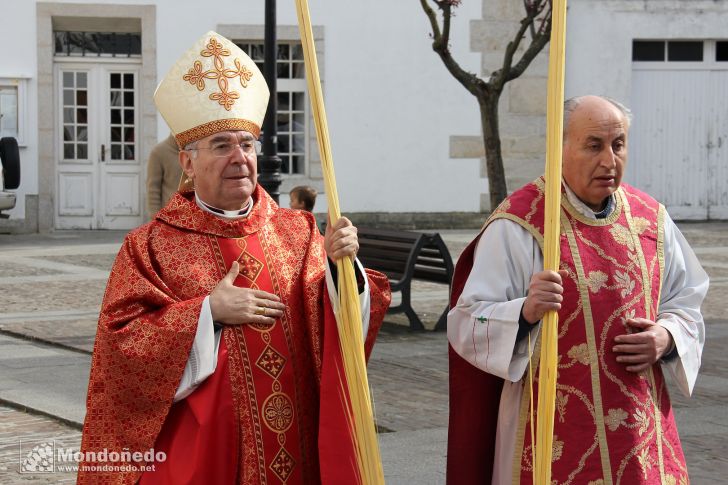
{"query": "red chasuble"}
pixel 611 426
pixel 272 412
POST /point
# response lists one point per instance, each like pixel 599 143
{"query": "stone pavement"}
pixel 50 292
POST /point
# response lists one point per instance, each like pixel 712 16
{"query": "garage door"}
pixel 679 136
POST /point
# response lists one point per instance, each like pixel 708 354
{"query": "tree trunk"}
pixel 493 158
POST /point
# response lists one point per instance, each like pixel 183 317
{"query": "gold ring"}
pixel 260 311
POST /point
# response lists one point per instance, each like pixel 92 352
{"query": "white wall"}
pixel 600 34
pixel 391 104
pixel 18 58
pixel 599 61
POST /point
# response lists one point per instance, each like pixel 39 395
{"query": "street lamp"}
pixel 270 163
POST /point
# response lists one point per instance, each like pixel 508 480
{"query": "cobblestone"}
pixel 9 269
pixel 16 428
pixel 407 371
pixel 52 296
pixel 74 333
pixel 100 261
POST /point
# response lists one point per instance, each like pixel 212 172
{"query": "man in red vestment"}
pixel 217 357
pixel 628 295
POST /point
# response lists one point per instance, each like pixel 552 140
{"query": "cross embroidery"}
pixel 197 77
pixel 482 319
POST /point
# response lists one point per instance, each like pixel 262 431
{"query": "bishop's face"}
pixel 224 168
pixel 595 151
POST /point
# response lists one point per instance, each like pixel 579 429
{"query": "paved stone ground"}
pixel 51 288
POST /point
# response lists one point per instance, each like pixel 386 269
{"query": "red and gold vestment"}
pixel 271 412
pixel 611 425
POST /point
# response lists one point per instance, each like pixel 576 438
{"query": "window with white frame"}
pixel 97 44
pixel 9 111
pixel 680 51
pixel 12 108
pixel 292 113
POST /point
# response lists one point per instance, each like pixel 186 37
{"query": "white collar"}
pixel 580 206
pixel 222 213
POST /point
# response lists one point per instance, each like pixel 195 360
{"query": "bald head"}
pixel 595 147
pixel 571 104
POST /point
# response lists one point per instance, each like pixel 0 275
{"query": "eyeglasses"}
pixel 225 149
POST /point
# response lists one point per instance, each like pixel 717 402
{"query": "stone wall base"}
pixel 415 220
pixel 23 226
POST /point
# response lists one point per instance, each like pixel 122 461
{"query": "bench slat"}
pixel 382 264
pixel 392 252
pixel 380 243
pixel 431 274
pixel 389 235
pixel 367 251
pixel 436 262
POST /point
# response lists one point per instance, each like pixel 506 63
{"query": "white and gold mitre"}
pixel 213 87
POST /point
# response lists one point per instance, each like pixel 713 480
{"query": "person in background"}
pixel 303 197
pixel 163 174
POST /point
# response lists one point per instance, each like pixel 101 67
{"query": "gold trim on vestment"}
pixel 647 291
pixel 255 409
pixel 591 342
pixel 540 184
pixel 263 236
pixel 531 229
pixel 646 283
pixel 660 249
pixel 573 212
pixel 523 415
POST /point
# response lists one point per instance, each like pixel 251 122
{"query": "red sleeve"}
pixel 142 344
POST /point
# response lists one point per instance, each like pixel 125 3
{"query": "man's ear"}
pixel 185 162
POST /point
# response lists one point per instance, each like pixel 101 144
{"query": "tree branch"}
pixel 527 4
pixel 540 38
pixel 537 44
pixel 440 44
pixel 433 21
pixel 446 18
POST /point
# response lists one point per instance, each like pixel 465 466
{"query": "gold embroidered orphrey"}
pixel 196 76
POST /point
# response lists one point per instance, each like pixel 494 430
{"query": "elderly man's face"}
pixel 223 181
pixel 595 151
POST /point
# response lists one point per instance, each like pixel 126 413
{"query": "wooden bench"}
pixel 402 256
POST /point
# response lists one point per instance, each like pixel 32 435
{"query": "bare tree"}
pixel 537 21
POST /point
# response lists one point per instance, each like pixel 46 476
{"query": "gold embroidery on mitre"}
pixel 196 76
pixel 615 418
pixel 597 482
pixel 216 126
